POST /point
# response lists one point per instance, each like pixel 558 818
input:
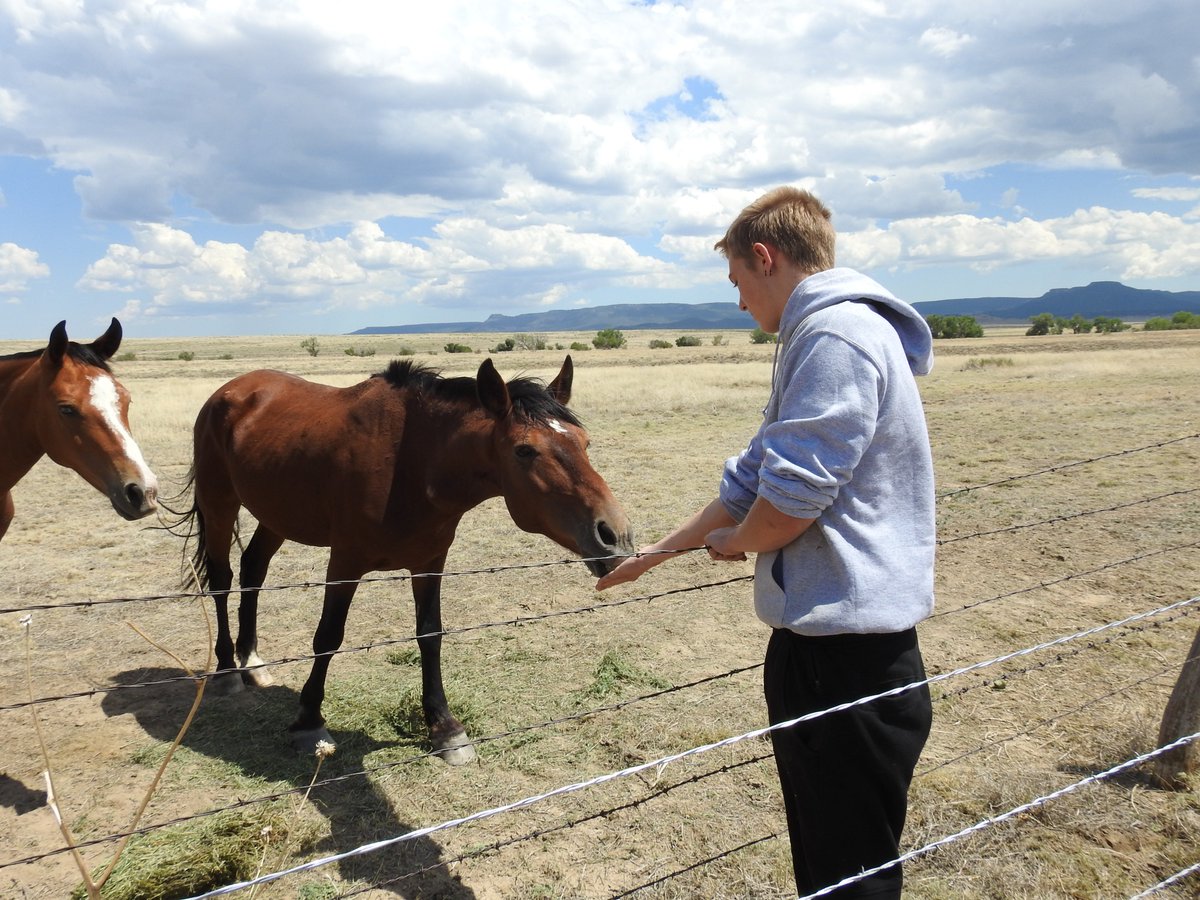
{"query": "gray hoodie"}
pixel 843 441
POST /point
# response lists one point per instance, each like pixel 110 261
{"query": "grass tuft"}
pixel 193 858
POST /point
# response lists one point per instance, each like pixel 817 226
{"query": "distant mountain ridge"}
pixel 1100 298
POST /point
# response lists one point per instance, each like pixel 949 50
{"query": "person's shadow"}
pixel 249 730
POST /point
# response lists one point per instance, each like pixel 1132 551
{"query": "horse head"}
pixel 546 478
pixel 84 423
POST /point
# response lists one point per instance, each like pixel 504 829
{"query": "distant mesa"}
pixel 1100 298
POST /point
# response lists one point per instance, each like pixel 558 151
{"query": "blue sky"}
pixel 200 168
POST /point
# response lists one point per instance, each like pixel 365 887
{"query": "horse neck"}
pixel 462 465
pixel 20 447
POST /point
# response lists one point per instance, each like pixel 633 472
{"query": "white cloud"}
pixel 19 266
pixel 1126 245
pixel 945 41
pixel 537 167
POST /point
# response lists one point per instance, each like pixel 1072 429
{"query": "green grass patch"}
pixel 196 857
pixel 614 671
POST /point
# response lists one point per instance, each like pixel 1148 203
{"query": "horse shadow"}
pixel 17 796
pixel 249 731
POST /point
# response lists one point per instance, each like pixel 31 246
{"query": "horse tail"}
pixel 189 525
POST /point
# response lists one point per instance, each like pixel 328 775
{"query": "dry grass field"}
pixel 564 698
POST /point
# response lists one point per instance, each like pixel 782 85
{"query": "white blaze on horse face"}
pixel 557 426
pixel 106 400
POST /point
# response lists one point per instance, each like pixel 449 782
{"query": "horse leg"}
pixel 220 579
pixel 255 561
pixel 309 728
pixel 449 737
pixel 216 510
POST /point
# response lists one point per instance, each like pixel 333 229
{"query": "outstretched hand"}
pixel 629 569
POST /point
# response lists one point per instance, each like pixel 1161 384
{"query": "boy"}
pixel 835 496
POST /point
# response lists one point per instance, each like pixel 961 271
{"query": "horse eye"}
pixel 525 451
pixel 68 410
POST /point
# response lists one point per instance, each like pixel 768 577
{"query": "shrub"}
pixel 687 340
pixel 457 348
pixel 579 345
pixel 128 356
pixel 1043 323
pixel 657 344
pixel 608 339
pixel 311 346
pixel 758 336
pixel 405 350
pixel 986 361
pixel 504 346
pixel 187 355
pixel 366 351
pixel 1108 325
pixel 953 326
pixel 528 341
pixel 718 340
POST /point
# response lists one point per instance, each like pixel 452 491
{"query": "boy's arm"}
pixel 763 530
pixel 687 536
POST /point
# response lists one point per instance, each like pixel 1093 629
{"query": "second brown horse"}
pixel 381 473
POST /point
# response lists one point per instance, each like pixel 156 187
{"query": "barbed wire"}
pixel 409 760
pixel 374 645
pixel 662 762
pixel 1065 655
pixel 941 542
pixel 523 620
pixel 1062 466
pixel 1184 611
pixel 493 570
pixel 753 842
pixel 1041 585
pixel 366 579
pixel 383 767
pixel 1003 817
pixel 1050 720
pixel 562 826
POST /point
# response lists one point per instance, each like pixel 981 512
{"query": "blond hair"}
pixel 789 219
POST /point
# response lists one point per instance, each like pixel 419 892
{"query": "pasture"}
pixel 569 684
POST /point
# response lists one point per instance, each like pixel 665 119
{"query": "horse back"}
pixel 312 462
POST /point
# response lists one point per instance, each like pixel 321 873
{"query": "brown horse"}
pixel 381 473
pixel 64 402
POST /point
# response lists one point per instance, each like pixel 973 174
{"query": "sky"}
pixel 226 168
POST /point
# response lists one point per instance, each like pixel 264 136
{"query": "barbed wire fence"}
pixel 1089 640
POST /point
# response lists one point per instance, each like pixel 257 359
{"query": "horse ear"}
pixel 106 345
pixel 493 392
pixel 57 347
pixel 560 387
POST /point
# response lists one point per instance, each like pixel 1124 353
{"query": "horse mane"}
pixel 530 399
pixel 81 353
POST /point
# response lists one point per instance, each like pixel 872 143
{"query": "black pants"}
pixel 845 775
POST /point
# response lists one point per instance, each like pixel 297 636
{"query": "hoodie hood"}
pixel 824 289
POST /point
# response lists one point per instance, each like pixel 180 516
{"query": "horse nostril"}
pixel 135 495
pixel 607 536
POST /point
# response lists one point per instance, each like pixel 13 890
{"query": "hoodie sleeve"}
pixel 828 407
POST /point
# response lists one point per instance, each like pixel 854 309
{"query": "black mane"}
pixel 81 353
pixel 530 399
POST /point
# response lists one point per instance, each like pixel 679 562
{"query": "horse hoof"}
pixel 225 684
pixel 257 678
pixel 457 750
pixel 313 741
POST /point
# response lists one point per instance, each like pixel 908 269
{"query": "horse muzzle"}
pixel 134 500
pixel 606 546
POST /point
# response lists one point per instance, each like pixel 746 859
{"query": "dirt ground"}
pixel 1090 445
